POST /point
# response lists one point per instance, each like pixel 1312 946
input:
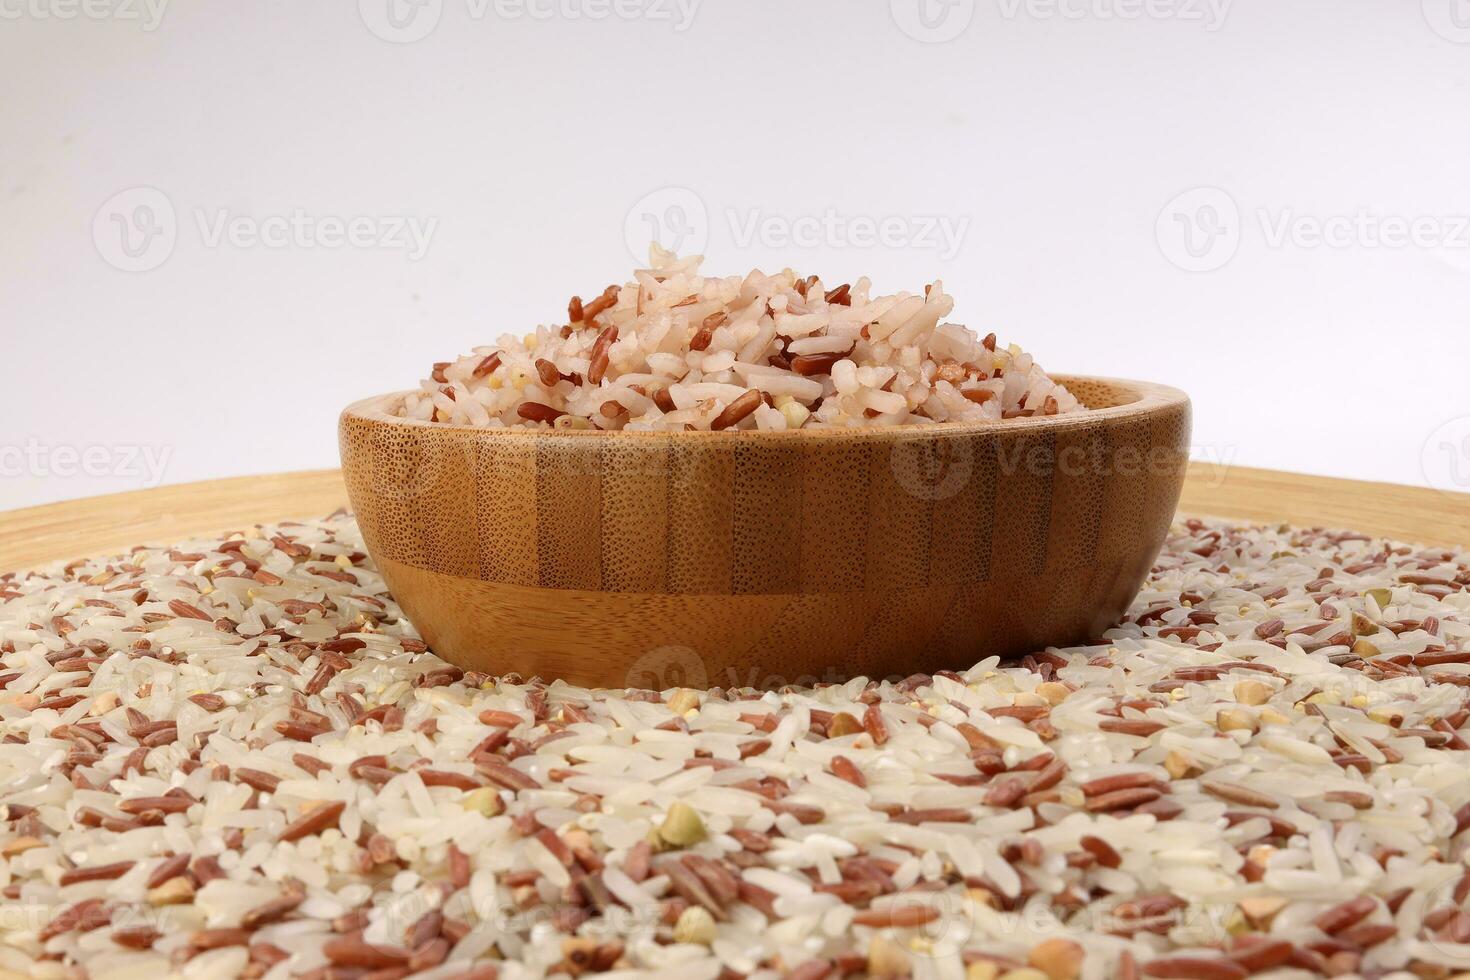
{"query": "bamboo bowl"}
pixel 731 559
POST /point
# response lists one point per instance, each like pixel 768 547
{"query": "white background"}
pixel 1059 134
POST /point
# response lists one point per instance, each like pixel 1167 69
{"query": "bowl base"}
pixel 660 641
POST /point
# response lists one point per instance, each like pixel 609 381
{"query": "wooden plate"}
pixel 91 526
pixel 113 523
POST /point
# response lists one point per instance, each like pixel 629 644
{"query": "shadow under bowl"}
pixel 733 559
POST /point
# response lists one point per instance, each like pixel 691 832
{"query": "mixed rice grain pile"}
pixel 233 758
pixel 674 350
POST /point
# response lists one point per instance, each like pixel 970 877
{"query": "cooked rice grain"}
pixel 674 350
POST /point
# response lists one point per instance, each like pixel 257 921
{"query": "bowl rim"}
pixel 1147 398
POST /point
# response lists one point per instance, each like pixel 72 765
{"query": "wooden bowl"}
pixel 641 559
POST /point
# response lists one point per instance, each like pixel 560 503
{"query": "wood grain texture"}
pixel 1420 515
pixel 792 554
pixel 98 525
pixel 115 522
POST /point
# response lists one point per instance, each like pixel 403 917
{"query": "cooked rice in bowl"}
pixel 674 350
pixel 234 757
